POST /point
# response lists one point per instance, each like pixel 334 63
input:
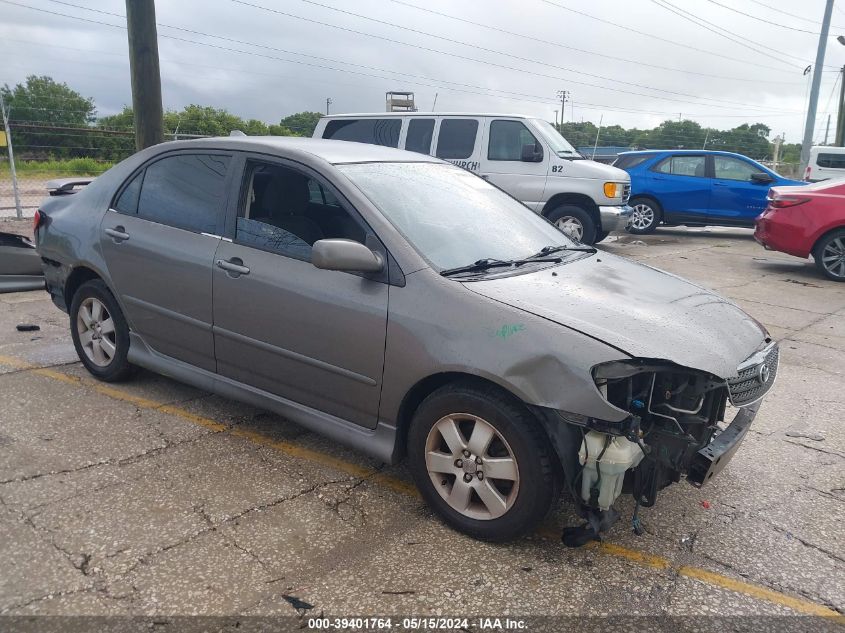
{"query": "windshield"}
pixel 557 143
pixel 450 216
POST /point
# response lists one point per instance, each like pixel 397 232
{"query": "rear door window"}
pixel 831 161
pixel 456 139
pixel 185 191
pixel 683 166
pixel 373 131
pixel 420 133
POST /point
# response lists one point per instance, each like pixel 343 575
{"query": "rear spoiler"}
pixel 65 186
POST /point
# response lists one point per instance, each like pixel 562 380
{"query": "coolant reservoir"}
pixel 620 455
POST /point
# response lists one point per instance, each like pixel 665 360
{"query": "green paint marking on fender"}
pixel 507 331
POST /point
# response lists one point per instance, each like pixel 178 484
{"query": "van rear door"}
pixel 516 160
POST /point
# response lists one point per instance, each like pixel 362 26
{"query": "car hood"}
pixel 642 311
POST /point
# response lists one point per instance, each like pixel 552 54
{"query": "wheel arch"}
pixel 78 276
pixel 428 385
pixel 577 199
pixel 818 240
pixel 652 198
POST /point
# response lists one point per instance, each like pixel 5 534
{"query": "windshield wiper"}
pixel 548 250
pixel 476 266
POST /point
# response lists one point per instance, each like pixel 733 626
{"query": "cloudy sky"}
pixel 634 62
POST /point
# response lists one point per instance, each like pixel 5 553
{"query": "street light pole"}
pixel 810 125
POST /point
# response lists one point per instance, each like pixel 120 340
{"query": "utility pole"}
pixel 810 125
pixel 328 103
pixel 826 130
pixel 776 152
pixel 18 209
pixel 146 76
pixel 563 95
pixel 840 116
pixel 556 119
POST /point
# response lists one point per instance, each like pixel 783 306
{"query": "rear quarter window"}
pixel 373 131
pixel 831 161
pixel 628 162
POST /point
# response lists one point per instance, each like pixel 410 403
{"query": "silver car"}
pixel 410 309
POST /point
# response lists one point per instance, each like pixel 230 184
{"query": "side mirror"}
pixel 761 178
pixel 532 153
pixel 346 255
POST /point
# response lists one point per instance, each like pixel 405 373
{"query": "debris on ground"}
pixel 28 327
pixel 810 435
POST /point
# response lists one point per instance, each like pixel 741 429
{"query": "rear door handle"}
pixel 234 265
pixel 118 234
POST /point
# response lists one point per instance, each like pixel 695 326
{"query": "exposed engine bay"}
pixel 675 425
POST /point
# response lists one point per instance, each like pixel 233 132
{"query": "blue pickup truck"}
pixel 696 188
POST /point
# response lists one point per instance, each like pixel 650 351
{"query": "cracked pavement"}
pixel 158 499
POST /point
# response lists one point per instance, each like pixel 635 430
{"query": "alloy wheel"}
pixel 833 257
pixel 95 328
pixel 643 217
pixel 571 226
pixel 471 466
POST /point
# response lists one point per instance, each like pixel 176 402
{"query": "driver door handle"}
pixel 234 265
pixel 118 234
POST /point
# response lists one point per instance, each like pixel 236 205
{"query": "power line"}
pixel 630 29
pixel 580 50
pixel 792 15
pixel 556 78
pixel 488 63
pixel 754 17
pixel 722 32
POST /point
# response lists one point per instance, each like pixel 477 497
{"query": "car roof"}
pixel 697 152
pixel 380 115
pixel 335 152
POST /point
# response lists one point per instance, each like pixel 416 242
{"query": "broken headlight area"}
pixel 672 413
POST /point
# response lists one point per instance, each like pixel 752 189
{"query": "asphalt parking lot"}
pixel 153 498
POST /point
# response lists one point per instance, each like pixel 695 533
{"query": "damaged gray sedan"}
pixel 409 309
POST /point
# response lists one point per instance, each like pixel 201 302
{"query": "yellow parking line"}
pixel 294 450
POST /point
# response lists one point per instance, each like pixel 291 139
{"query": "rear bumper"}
pixel 21 283
pixel 710 460
pixel 781 236
pixel 615 218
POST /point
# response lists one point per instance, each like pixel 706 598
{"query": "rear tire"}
pixel 829 254
pixel 646 217
pixel 482 462
pixel 600 236
pixel 100 332
pixel 575 222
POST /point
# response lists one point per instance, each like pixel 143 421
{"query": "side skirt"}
pixel 379 443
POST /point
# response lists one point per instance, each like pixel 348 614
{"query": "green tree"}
pixel 301 123
pixel 39 104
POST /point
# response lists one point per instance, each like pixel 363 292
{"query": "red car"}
pixel 804 221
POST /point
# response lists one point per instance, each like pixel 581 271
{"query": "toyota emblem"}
pixel 763 374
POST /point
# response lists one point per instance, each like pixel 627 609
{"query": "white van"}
pixel 826 162
pixel 525 156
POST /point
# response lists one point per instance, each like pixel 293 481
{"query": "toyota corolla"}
pixel 407 308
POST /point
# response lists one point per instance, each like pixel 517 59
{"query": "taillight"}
pixel 782 202
pixel 36 220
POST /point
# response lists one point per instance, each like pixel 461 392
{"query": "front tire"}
pixel 575 222
pixel 646 216
pixel 829 254
pixel 100 332
pixel 482 462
